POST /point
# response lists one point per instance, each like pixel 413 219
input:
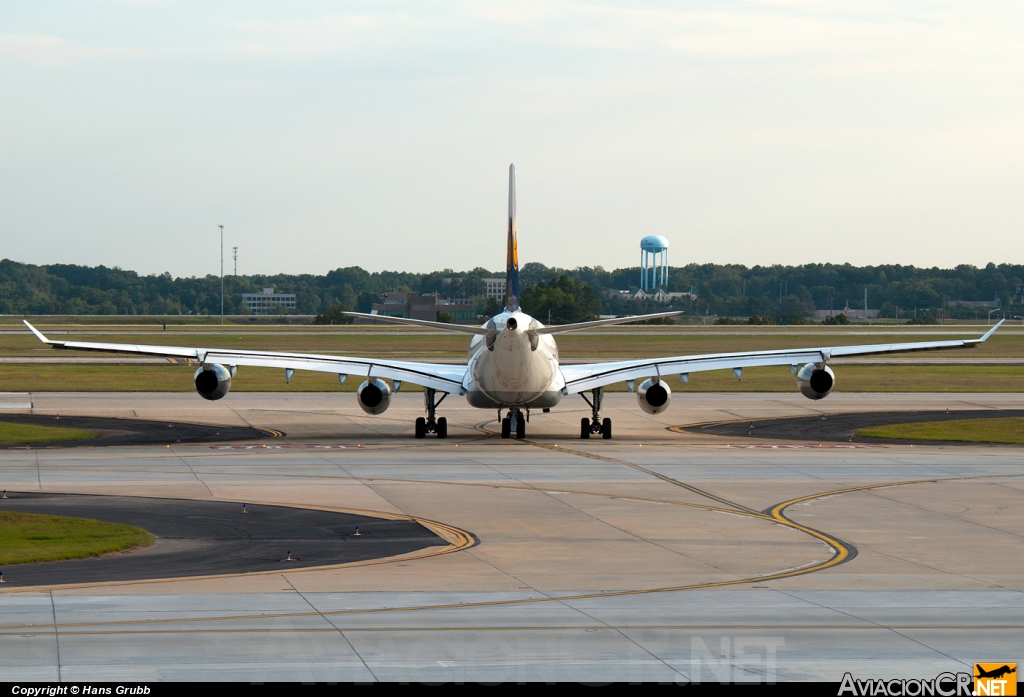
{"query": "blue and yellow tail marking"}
pixel 512 256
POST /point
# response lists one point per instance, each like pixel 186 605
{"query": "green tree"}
pixel 333 315
pixel 566 299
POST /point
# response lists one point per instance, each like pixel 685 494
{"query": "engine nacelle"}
pixel 374 396
pixel 654 396
pixel 815 382
pixel 212 381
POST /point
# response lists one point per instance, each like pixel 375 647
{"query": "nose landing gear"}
pixel 432 424
pixel 515 421
pixel 595 425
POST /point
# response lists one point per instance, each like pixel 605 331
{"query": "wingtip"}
pixel 992 331
pixel 39 334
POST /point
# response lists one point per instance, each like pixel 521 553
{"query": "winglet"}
pixel 39 334
pixel 991 331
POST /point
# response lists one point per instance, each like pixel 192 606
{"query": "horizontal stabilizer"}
pixel 561 328
pixel 460 328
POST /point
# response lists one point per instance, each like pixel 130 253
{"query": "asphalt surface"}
pixel 842 427
pixel 134 432
pixel 203 538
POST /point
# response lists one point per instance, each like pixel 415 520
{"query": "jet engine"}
pixel 374 396
pixel 654 396
pixel 212 381
pixel 815 382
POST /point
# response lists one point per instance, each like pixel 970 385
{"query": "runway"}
pixel 655 556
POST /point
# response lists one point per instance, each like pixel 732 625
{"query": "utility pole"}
pixel 221 273
pixel 234 250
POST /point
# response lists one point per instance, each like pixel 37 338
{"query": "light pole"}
pixel 221 273
pixel 234 250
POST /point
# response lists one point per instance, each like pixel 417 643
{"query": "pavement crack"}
pixel 887 628
pixel 336 628
pixel 639 468
pixel 56 633
pixel 198 479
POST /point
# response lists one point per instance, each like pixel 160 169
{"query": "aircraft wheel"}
pixel 421 427
pixel 506 427
pixel 520 427
pixel 442 427
pixel 606 429
pixel 585 428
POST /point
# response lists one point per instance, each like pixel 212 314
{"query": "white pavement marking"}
pixel 15 400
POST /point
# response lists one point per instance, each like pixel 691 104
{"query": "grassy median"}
pixel 31 537
pixel 16 434
pixel 1005 430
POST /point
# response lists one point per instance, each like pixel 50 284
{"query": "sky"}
pixel 379 134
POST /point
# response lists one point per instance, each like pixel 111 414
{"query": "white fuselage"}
pixel 519 368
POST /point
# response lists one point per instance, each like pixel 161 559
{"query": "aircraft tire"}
pixel 442 427
pixel 421 427
pixel 520 427
pixel 606 429
pixel 584 428
pixel 506 427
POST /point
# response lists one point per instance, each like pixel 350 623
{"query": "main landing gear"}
pixel 594 425
pixel 430 424
pixel 515 421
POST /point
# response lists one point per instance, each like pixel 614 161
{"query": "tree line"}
pixel 567 294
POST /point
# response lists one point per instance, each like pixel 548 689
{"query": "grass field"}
pixel 16 434
pixel 178 378
pixel 1006 430
pixel 29 537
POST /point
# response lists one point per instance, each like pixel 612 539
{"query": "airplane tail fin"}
pixel 512 256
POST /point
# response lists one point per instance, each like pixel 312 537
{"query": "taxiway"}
pixel 655 556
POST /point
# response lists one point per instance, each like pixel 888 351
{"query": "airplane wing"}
pixel 588 376
pixel 446 378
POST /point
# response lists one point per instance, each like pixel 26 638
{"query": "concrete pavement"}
pixel 654 556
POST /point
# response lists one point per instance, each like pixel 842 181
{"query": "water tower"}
pixel 653 268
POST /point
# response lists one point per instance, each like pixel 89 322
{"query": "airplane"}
pixel 513 364
pixel 996 673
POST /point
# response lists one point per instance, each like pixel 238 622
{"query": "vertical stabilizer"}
pixel 512 258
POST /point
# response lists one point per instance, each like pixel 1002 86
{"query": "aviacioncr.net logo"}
pixel 943 685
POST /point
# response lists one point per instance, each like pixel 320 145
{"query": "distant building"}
pixel 989 304
pixel 420 307
pixel 495 288
pixel 659 296
pixel 461 309
pixel 852 314
pixel 265 302
pixel 407 305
